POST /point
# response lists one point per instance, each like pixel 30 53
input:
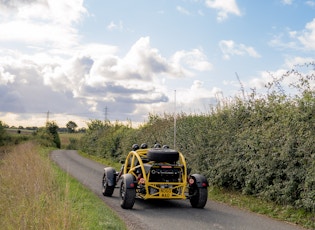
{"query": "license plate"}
pixel 166 192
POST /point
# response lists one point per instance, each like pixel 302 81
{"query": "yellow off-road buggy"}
pixel 155 173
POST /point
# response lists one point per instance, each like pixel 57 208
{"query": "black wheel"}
pixel 127 195
pixel 163 155
pixel 107 190
pixel 199 197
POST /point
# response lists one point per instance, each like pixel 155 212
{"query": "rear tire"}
pixel 199 197
pixel 107 190
pixel 127 195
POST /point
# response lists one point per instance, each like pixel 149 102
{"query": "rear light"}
pixel 132 185
pixel 204 184
pixel 140 179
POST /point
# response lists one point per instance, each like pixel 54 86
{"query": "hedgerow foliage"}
pixel 106 140
pixel 3 134
pixel 259 145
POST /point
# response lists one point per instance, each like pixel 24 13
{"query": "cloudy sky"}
pixel 124 59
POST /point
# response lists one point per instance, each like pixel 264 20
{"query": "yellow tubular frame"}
pixel 177 190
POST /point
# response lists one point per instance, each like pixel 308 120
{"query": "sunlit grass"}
pixel 36 195
pixel 104 161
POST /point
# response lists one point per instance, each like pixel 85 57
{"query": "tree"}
pixel 71 126
pixel 52 129
pixel 3 134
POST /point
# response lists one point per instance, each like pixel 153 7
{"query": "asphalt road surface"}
pixel 160 214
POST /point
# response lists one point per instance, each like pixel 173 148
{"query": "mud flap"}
pixel 110 176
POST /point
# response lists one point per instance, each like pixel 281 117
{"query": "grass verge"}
pixel 254 204
pixel 101 160
pixel 35 194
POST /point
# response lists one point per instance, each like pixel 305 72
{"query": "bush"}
pixel 48 136
pixel 3 134
pixel 107 140
pixel 52 129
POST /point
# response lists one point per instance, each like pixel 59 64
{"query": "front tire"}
pixel 107 190
pixel 127 195
pixel 199 197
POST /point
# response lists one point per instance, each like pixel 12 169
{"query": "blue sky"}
pixel 75 58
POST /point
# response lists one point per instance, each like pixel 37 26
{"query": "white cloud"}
pixel 6 77
pixel 93 75
pixel 197 98
pixel 60 12
pixel 39 34
pixel 283 76
pixel 41 23
pixel 287 2
pixel 142 61
pixel 290 62
pixel 67 76
pixel 197 60
pixel 310 3
pixel 224 8
pixel 184 63
pixel 93 50
pixel 182 10
pixel 113 26
pixel 307 37
pixel 230 48
pixel 303 40
pixel 260 82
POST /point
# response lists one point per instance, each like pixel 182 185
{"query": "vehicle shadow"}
pixel 161 204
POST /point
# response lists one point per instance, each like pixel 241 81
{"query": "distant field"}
pixel 65 138
pixel 19 131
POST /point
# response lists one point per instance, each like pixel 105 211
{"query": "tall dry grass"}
pixel 29 194
pixel 70 140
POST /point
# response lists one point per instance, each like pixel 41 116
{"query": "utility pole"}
pixel 47 117
pixel 174 119
pixel 105 113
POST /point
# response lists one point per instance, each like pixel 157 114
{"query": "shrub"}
pixel 48 136
pixel 3 134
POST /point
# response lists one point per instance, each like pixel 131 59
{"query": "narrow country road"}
pixel 157 214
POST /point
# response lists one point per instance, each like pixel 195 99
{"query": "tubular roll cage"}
pixel 162 190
